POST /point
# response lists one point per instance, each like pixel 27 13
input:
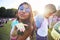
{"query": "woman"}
pixel 25 16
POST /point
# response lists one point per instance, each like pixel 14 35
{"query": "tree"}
pixel 2 11
pixel 7 13
pixel 11 12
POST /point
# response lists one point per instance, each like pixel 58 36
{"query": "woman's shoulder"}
pixel 14 22
pixel 38 17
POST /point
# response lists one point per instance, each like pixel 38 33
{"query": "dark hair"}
pixel 22 4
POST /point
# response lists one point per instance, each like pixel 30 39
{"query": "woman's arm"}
pixel 26 34
pixel 13 34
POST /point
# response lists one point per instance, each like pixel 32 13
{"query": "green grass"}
pixel 5 31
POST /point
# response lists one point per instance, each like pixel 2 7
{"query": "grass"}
pixel 5 32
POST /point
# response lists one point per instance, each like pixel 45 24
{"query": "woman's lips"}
pixel 22 15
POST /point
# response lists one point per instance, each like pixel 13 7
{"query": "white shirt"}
pixel 43 30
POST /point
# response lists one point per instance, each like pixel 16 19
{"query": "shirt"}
pixel 14 23
pixel 43 30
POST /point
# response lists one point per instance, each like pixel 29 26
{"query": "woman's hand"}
pixel 26 25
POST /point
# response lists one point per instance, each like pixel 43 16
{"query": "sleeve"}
pixel 12 30
pixel 12 27
pixel 38 21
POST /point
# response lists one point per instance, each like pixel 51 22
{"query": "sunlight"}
pixel 36 4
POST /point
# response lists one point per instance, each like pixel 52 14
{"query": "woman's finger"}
pixel 26 25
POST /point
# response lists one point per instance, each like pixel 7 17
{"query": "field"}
pixel 5 32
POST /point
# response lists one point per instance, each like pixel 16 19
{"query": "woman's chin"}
pixel 23 18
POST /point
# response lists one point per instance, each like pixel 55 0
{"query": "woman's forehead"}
pixel 25 6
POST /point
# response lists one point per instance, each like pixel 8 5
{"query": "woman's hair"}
pixel 30 19
pixel 51 8
pixel 23 4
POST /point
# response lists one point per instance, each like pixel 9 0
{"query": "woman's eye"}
pixel 27 9
pixel 21 8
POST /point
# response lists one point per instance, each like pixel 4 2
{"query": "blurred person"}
pixel 55 23
pixel 54 18
pixel 42 22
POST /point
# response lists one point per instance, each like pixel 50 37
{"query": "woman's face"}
pixel 24 12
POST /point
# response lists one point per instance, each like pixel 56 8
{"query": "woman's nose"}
pixel 24 10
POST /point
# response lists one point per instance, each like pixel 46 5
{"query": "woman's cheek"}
pixel 27 16
pixel 18 14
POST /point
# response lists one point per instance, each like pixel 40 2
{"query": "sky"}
pixel 36 4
